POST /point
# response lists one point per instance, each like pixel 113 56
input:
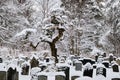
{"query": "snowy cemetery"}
pixel 69 67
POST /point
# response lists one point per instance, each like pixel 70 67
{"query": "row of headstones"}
pixel 11 74
pixel 78 66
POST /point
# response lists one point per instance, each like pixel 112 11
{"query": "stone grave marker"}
pixel 78 66
pixel 47 59
pixel 12 74
pixel 88 71
pixel 25 69
pixel 96 58
pixel 34 62
pixel 1 60
pixel 3 75
pixel 42 77
pixel 87 60
pixel 115 79
pixel 118 61
pixel 111 58
pixel 74 77
pixel 106 64
pixel 115 68
pixel 66 71
pixel 60 77
pixel 104 55
pixel 101 70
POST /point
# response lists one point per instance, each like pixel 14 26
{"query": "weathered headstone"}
pixel 47 59
pixel 104 55
pixel 12 74
pixel 111 58
pixel 74 77
pixel 34 62
pixel 78 66
pixel 60 77
pixel 3 75
pixel 94 66
pixel 1 60
pixel 115 68
pixel 67 71
pixel 101 71
pixel 96 58
pixel 42 77
pixel 25 70
pixel 84 61
pixel 106 64
pixel 115 79
pixel 118 61
pixel 88 71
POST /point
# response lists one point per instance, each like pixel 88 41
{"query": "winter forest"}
pixel 44 36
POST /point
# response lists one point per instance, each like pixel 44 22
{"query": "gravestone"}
pixel 118 61
pixel 111 58
pixel 78 66
pixel 115 79
pixel 106 64
pixel 115 68
pixel 43 67
pixel 3 75
pixel 101 71
pixel 1 60
pixel 42 77
pixel 47 59
pixel 66 71
pixel 94 66
pixel 25 70
pixel 96 58
pixel 74 77
pixel 104 54
pixel 34 62
pixel 60 77
pixel 88 71
pixel 12 74
pixel 84 61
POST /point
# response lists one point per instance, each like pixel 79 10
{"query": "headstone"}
pixel 66 71
pixel 104 54
pixel 12 74
pixel 100 59
pixel 47 59
pixel 88 71
pixel 34 62
pixel 115 79
pixel 43 67
pixel 101 71
pixel 96 58
pixel 25 70
pixel 118 61
pixel 74 77
pixel 3 75
pixel 78 66
pixel 60 77
pixel 84 61
pixel 111 58
pixel 94 66
pixel 115 68
pixel 106 64
pixel 42 77
pixel 1 60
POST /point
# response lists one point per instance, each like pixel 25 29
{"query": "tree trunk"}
pixel 53 51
